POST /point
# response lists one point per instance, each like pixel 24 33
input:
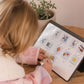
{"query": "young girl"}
pixel 18 28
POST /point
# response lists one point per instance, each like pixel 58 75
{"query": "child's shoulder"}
pixel 9 69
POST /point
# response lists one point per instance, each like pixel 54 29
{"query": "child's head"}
pixel 18 25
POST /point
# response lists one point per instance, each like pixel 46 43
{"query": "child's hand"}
pixel 47 65
pixel 42 55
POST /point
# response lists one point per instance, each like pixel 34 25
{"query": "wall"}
pixel 70 12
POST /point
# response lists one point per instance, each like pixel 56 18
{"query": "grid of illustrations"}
pixel 64 50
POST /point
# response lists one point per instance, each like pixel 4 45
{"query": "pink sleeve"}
pixel 29 56
pixel 39 76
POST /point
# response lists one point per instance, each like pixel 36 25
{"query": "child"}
pixel 18 28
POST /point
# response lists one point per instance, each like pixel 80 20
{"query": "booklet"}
pixel 64 48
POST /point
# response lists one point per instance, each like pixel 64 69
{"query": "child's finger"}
pixel 42 51
pixel 38 62
pixel 41 56
pixel 47 60
pixel 44 56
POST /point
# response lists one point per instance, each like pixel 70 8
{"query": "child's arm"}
pixel 31 56
pixel 39 76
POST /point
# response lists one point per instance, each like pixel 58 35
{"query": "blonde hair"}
pixel 18 25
